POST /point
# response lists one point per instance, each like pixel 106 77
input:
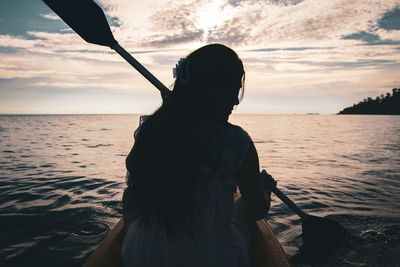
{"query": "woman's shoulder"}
pixel 238 133
pixel 235 143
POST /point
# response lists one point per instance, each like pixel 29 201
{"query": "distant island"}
pixel 388 104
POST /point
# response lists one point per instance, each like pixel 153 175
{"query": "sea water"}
pixel 62 176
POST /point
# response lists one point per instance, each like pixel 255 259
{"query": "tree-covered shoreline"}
pixel 388 104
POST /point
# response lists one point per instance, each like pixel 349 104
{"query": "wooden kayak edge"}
pixel 266 249
pixel 108 252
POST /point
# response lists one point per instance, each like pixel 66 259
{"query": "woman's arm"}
pixel 256 202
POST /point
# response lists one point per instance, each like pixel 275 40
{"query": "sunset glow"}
pixel 211 16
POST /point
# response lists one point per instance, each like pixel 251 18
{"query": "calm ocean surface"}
pixel 62 176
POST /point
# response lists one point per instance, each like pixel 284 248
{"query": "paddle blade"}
pixel 86 18
pixel 321 236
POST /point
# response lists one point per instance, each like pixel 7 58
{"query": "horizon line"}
pixel 52 114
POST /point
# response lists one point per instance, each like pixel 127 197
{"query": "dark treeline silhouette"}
pixel 388 104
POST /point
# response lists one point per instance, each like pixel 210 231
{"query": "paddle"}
pixel 87 19
pixel 320 235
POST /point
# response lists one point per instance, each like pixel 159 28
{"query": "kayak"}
pixel 266 251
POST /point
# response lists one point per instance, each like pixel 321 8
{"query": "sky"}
pixel 300 56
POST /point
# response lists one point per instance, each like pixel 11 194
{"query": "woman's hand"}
pixel 267 182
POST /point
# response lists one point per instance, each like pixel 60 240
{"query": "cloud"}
pixel 234 2
pixel 288 49
pixel 276 2
pixel 363 36
pixel 247 23
pixel 162 40
pixel 51 16
pixel 9 50
pixel 390 20
pixel 385 30
pixel 286 2
pixel 256 23
pixel 370 39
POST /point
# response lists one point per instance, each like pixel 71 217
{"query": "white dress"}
pixel 219 239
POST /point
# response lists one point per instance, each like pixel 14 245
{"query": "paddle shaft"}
pixel 142 70
pixel 289 203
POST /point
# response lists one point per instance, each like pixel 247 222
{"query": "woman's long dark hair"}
pixel 163 163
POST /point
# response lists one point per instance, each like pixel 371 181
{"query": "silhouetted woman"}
pixel 184 168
